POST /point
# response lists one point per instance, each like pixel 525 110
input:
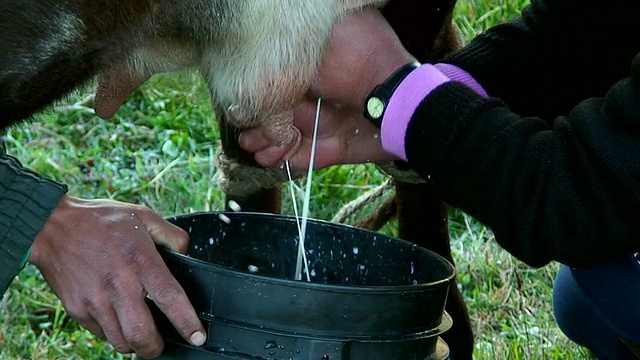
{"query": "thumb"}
pixel 164 233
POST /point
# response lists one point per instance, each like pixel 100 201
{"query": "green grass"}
pixel 159 151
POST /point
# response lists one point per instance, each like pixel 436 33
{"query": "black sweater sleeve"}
pixel 556 54
pixel 553 166
pixel 26 201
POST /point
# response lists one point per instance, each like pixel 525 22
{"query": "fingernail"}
pixel 198 339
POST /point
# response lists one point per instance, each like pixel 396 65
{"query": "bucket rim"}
pixel 382 289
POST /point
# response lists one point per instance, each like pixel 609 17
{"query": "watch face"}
pixel 375 107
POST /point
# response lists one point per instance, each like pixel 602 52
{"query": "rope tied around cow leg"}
pixel 401 173
pixel 354 206
pixel 237 179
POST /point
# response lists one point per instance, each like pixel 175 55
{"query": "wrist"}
pixel 56 221
pixel 384 67
pixel 378 101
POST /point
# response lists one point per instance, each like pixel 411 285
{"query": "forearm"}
pixel 26 201
pixel 568 193
pixel 556 54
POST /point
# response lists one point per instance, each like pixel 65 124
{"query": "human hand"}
pixel 344 137
pixel 99 256
pixel 362 52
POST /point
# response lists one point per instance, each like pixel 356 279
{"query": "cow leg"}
pixel 427 31
pixel 423 220
pixel 265 200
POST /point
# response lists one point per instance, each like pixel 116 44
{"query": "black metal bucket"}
pixel 370 297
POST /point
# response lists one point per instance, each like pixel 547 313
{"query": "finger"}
pixel 76 305
pixel 253 140
pixel 163 232
pixel 171 299
pixel 304 117
pixel 107 319
pixel 327 154
pixel 93 326
pixel 273 156
pixel 137 324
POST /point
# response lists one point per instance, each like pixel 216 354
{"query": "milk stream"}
pixel 302 220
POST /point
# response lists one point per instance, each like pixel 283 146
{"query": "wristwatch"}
pixel 376 103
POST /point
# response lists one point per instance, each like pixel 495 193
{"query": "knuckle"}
pixel 79 314
pixel 166 296
pixel 110 280
pixel 140 336
pixel 135 258
pixel 121 347
pixel 97 310
pixel 153 352
pixel 143 211
pixel 120 286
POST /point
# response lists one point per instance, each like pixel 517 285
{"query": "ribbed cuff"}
pixel 26 202
pixel 403 103
pixel 25 259
pixel 458 74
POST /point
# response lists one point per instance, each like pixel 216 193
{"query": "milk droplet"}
pixel 234 206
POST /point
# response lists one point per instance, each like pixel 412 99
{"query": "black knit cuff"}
pixel 476 55
pixel 437 126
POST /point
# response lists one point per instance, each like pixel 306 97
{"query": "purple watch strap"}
pixel 403 103
pixel 457 74
pixel 408 96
